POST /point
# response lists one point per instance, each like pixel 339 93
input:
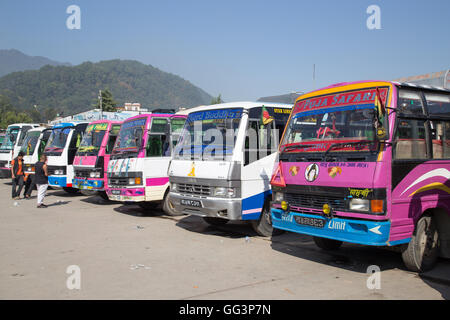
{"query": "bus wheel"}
pixel 71 190
pixel 168 208
pixel 327 244
pixel 103 195
pixel 422 251
pixel 263 226
pixel 215 221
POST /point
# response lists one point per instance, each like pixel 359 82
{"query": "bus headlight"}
pixel 59 172
pixel 94 174
pixel 278 196
pixel 134 181
pixel 173 187
pixel 359 205
pixel 224 192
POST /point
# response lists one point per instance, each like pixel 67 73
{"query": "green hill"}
pixel 73 89
pixel 12 60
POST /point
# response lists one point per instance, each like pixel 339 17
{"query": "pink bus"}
pixel 92 157
pixel 368 163
pixel 137 171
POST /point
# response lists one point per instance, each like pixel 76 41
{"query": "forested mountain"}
pixel 13 60
pixel 73 89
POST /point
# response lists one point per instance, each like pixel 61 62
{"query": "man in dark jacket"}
pixel 17 175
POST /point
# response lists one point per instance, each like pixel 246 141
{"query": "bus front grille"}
pixel 194 189
pixel 315 201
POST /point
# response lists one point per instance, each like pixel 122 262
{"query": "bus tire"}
pixel 215 221
pixel 71 190
pixel 422 251
pixel 263 226
pixel 327 244
pixel 168 208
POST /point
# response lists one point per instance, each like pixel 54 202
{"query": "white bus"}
pixel 15 133
pixel 33 146
pixel 223 162
pixel 60 150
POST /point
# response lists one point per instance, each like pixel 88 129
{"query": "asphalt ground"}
pixel 123 252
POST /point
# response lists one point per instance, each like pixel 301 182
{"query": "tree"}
pixel 8 115
pixel 107 102
pixel 217 100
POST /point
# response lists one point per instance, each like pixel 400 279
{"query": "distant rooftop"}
pixel 435 79
pixel 284 98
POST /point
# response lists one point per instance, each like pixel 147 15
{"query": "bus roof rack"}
pixel 163 111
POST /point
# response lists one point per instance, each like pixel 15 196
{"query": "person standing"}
pixel 17 176
pixel 41 180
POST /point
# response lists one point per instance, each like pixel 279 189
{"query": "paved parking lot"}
pixel 124 253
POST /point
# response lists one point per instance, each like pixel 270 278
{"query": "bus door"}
pixel 261 144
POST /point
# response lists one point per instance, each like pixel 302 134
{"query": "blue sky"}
pixel 242 49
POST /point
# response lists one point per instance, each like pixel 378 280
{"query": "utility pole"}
pixel 101 103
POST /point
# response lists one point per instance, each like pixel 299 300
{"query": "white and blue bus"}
pixel 223 162
pixel 60 150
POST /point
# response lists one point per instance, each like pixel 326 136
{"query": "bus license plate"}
pixel 116 192
pixel 311 222
pixel 191 203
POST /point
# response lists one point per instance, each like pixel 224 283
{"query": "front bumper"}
pixel 126 194
pixel 230 209
pixel 88 184
pixel 58 181
pixel 375 233
pixel 5 173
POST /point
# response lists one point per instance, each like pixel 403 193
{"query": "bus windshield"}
pixel 57 141
pixel 30 142
pixel 331 130
pixel 92 139
pixel 127 141
pixel 209 135
pixel 10 139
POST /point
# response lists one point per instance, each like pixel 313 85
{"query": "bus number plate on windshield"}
pixel 191 203
pixel 312 222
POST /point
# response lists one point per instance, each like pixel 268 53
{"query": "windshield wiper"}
pixel 298 146
pixel 343 144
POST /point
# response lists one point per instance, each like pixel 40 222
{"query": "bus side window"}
pixel 110 145
pixel 158 146
pixel 440 137
pixel 410 140
pixel 251 142
pixel 439 105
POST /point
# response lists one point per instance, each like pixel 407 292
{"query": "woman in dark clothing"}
pixel 41 180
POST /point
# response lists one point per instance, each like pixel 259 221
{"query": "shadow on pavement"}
pixel 136 211
pixel 58 203
pixel 233 229
pixel 62 193
pixel 350 257
pixel 439 278
pixel 95 199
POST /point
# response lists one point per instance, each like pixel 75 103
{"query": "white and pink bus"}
pixel 137 170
